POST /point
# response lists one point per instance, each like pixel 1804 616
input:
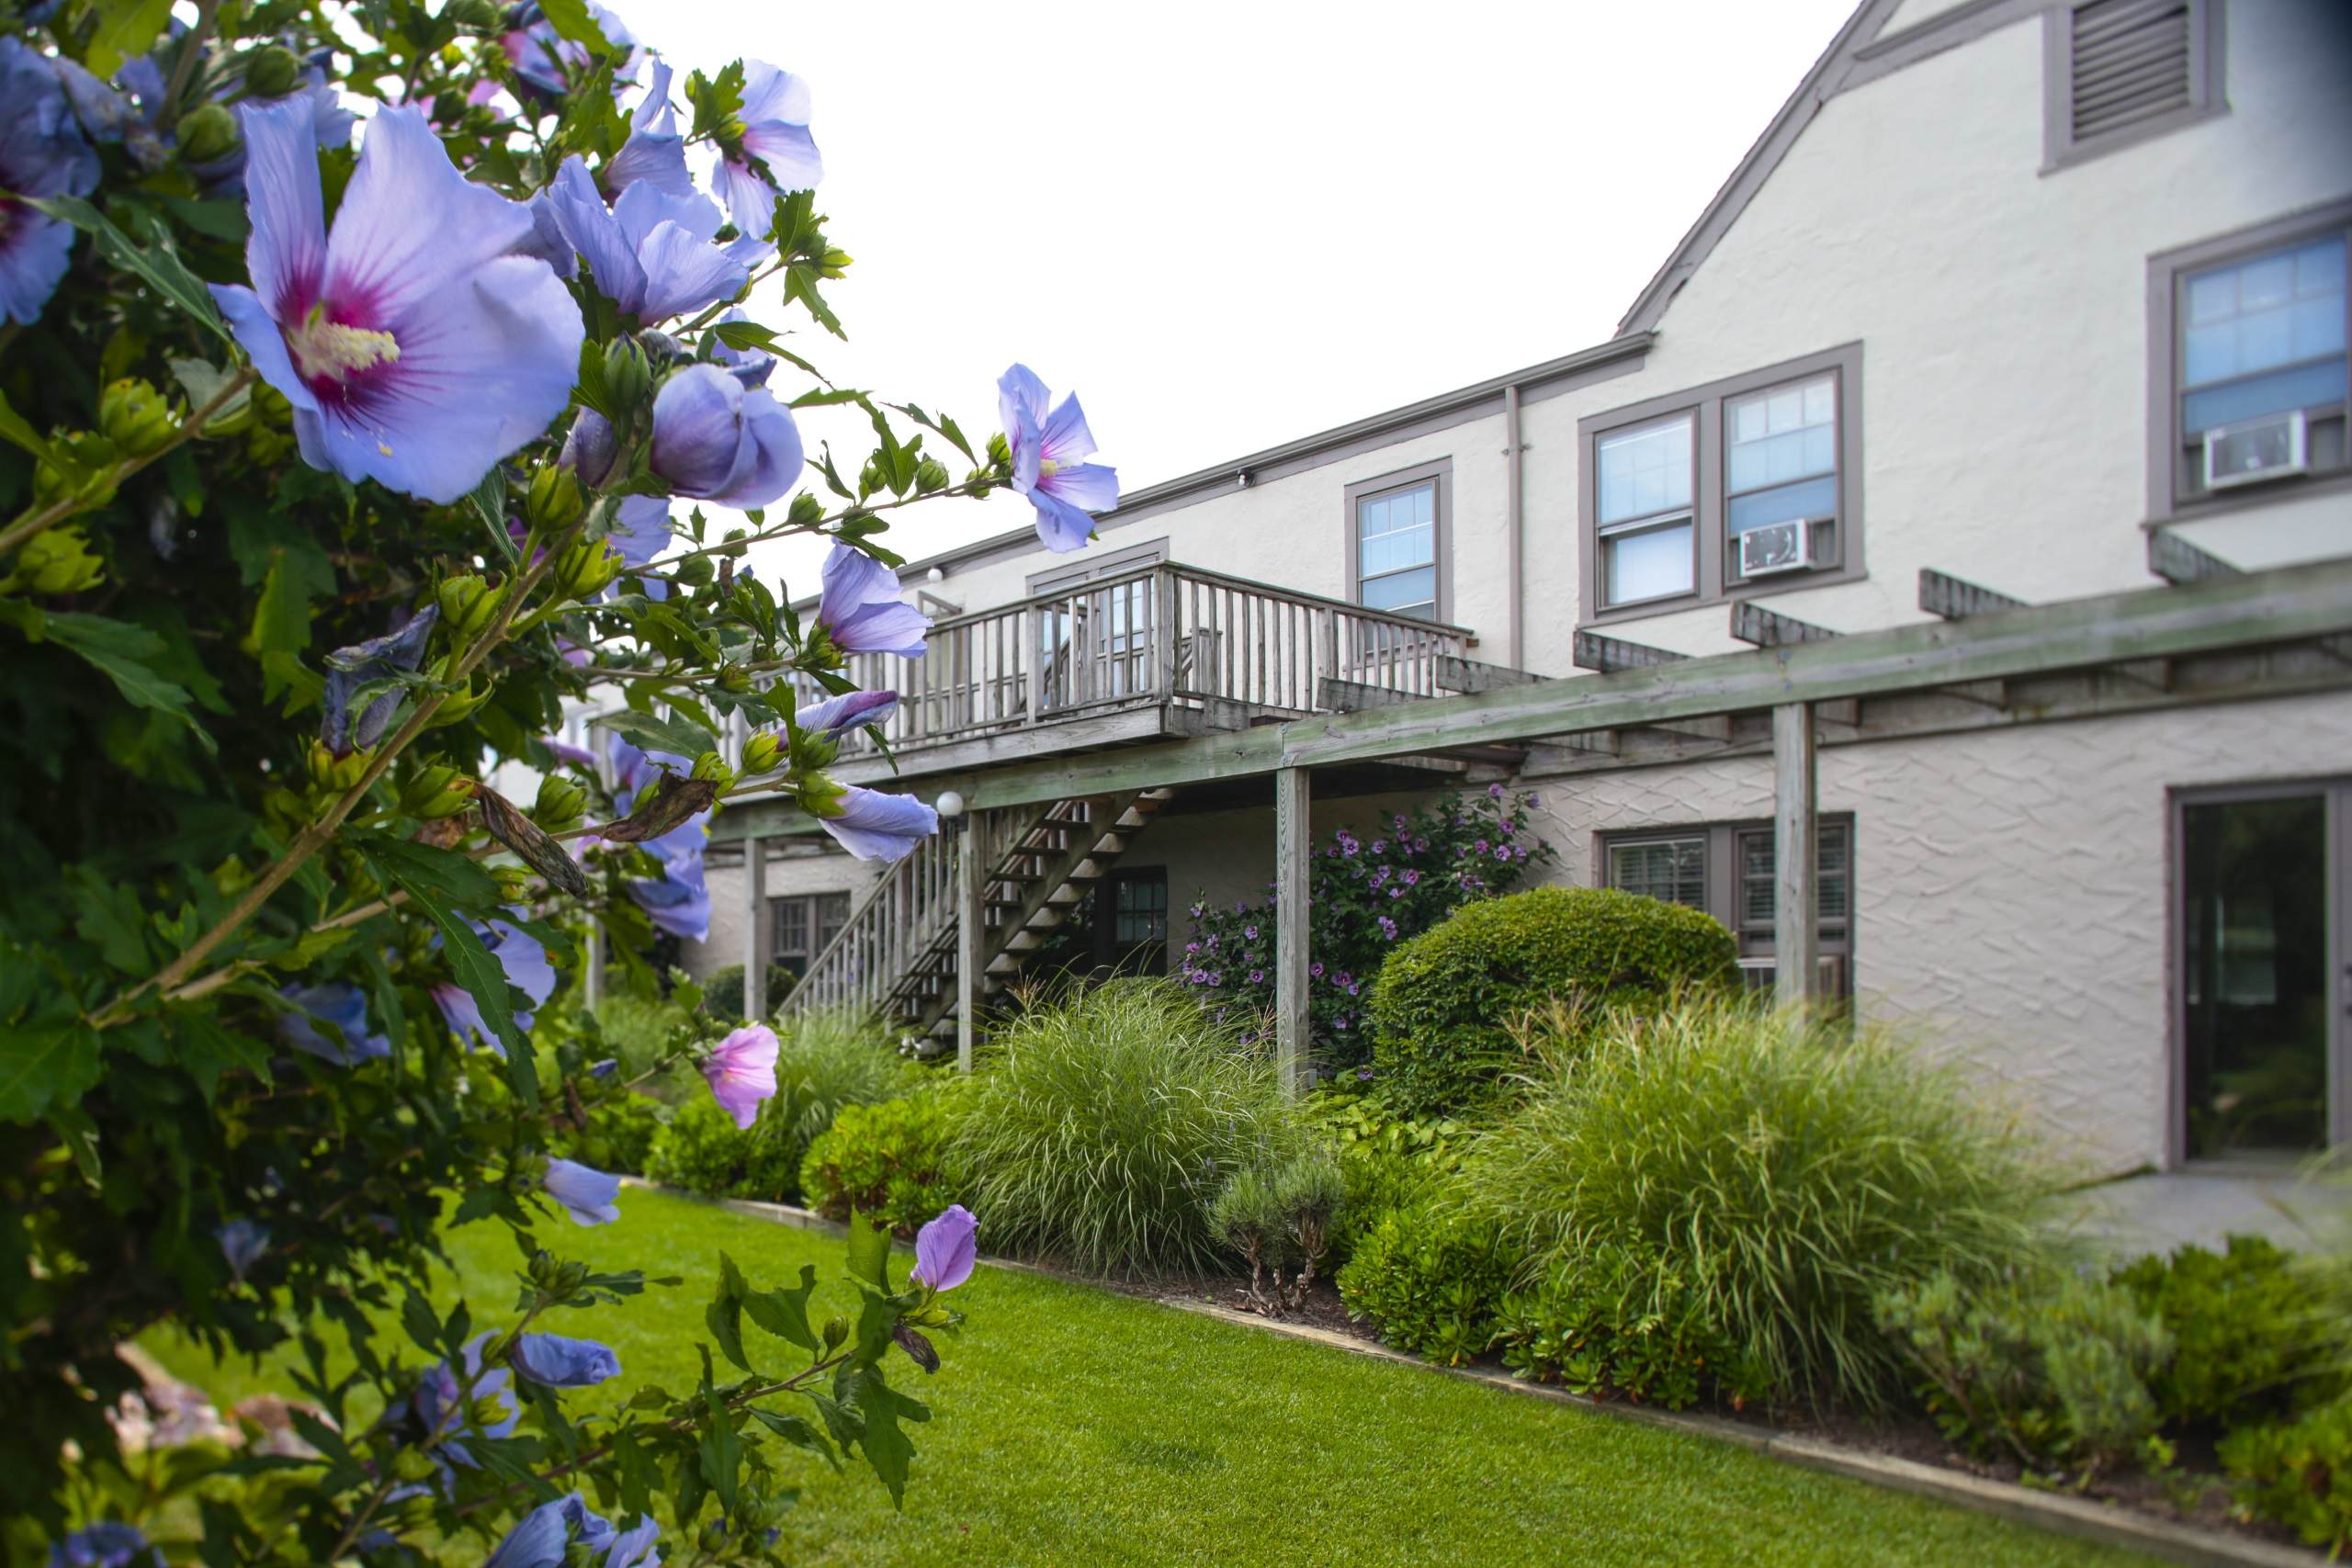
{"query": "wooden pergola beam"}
pixel 1593 651
pixel 2219 615
pixel 1956 599
pixel 2181 563
pixel 1752 622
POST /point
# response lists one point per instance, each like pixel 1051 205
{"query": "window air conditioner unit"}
pixel 1776 547
pixel 2254 450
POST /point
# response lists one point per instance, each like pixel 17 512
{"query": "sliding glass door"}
pixel 2261 970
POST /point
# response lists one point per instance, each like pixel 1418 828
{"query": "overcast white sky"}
pixel 1227 225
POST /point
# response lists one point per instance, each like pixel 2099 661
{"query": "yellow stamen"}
pixel 324 349
pixel 1047 467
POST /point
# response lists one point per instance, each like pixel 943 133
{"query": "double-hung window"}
pixel 2250 366
pixel 1728 870
pixel 1397 542
pixel 1676 486
pixel 1646 519
pixel 803 925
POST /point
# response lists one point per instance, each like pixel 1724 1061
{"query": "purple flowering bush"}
pixel 361 367
pixel 1374 887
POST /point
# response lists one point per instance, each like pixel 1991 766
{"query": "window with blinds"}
pixel 1726 869
pixel 2124 69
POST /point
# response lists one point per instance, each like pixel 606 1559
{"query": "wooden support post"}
pixel 1292 859
pixel 755 911
pixel 970 934
pixel 1163 631
pixel 1327 642
pixel 1033 627
pixel 1795 856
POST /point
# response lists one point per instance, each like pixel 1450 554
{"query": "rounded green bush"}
pixel 1445 1008
pixel 702 1151
pixel 893 1160
pixel 1429 1278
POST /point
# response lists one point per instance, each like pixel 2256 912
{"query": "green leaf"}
pixel 725 1315
pixel 126 29
pixel 886 1447
pixel 488 500
pixel 484 981
pixel 572 21
pixel 206 1050
pixel 721 1451
pixel 160 263
pixel 80 1136
pixel 13 426
pixel 44 1065
pixel 673 735
pixel 869 1251
pixel 744 335
pixel 785 1313
pixel 202 381
pixel 797 1432
pixel 121 651
pixel 457 878
pixel 107 916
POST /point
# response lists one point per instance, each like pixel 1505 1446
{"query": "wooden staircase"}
pixel 896 957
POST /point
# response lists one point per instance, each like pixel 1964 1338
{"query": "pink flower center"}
pixel 328 353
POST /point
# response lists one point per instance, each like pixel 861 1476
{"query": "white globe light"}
pixel 949 804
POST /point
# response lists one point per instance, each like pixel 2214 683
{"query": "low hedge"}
pixel 1445 1008
pixel 893 1160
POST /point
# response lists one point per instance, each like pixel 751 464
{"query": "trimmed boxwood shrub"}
pixel 2252 1345
pixel 1447 1003
pixel 702 1151
pixel 892 1161
pixel 722 993
pixel 1428 1278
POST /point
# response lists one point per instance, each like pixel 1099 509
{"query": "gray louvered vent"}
pixel 2131 62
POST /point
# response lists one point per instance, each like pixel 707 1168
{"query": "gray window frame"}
pixel 1438 470
pixel 1719 877
pixel 2168 499
pixel 811 903
pixel 2208 77
pixel 1714 580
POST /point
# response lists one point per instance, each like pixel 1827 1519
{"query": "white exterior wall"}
pixel 789 873
pixel 2003 319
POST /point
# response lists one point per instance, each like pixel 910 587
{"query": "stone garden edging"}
pixel 2186 1543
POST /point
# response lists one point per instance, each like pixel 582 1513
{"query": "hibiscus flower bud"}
pixel 136 418
pixel 931 475
pixel 476 16
pixel 271 71
pixel 57 560
pixel 87 472
pixel 734 678
pixel 208 133
pixel 437 792
pixel 468 604
pixel 836 1330
pixel 335 773
pixel 693 570
pixel 628 377
pixel 761 752
pixel 554 501
pixel 711 765
pixel 584 567
pixel 560 803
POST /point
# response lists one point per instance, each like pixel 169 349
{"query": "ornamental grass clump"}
pixel 1106 1123
pixel 1784 1171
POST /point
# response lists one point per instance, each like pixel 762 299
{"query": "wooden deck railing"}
pixel 1157 636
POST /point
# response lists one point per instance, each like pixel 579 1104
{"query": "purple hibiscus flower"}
pixel 42 153
pixel 641 531
pixel 778 108
pixel 453 1410
pixel 753 366
pixel 741 1072
pixel 655 154
pixel 716 439
pixel 860 610
pixel 336 1002
pixel 348 669
pixel 1388 928
pixel 547 63
pixel 1257 976
pixel 584 1193
pixel 650 252
pixel 947 1249
pixel 243 1245
pixel 873 825
pixel 836 717
pixel 107 1544
pixel 558 1361
pixel 678 901
pixel 1046 449
pixel 416 347
pixel 527 970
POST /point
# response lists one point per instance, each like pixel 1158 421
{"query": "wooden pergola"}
pixel 1984 662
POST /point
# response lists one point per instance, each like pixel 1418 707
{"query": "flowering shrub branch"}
pixel 1371 888
pixel 366 374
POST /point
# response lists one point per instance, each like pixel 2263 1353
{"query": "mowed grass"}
pixel 1076 1425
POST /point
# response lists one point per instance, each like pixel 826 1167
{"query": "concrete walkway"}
pixel 2161 1212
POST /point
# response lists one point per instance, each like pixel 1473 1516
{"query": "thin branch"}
pixel 57 510
pixel 191 47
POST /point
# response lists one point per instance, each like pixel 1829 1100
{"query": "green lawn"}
pixel 1075 1425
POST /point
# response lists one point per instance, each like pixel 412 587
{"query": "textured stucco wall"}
pixel 789 872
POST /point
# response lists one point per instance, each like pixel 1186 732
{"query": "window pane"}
pixel 1644 472
pixel 832 914
pixel 1671 869
pixel 789 920
pixel 1398 588
pixel 1394 534
pixel 2303 387
pixel 1649 564
pixel 1758 900
pixel 2266 312
pixel 1141 913
pixel 1787 433
pixel 1807 498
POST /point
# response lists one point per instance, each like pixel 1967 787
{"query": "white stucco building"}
pixel 1982 304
